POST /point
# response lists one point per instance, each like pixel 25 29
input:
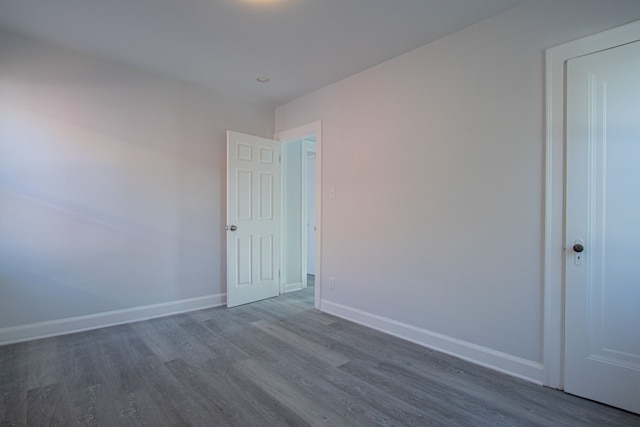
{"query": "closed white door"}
pixel 253 218
pixel 602 263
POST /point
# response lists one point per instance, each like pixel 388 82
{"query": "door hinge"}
pixel 279 158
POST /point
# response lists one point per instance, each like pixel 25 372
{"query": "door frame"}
pixel 554 285
pixel 300 132
pixel 307 148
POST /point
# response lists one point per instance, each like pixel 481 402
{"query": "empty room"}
pixel 319 212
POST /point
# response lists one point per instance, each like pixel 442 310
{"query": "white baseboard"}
pixel 51 328
pixel 290 287
pixel 496 360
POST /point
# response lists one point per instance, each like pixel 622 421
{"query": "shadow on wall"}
pixel 89 223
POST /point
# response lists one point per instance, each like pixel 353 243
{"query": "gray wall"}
pixel 112 184
pixel 437 158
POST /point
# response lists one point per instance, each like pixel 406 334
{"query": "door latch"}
pixel 578 249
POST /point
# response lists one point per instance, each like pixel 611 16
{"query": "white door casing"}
pixel 602 285
pixel 311 213
pixel 253 218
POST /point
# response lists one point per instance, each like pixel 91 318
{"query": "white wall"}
pixel 437 160
pixel 112 185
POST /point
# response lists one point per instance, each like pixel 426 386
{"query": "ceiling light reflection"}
pixel 263 2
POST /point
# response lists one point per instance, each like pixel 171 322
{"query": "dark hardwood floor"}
pixel 273 363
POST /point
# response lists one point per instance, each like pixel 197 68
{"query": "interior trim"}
pixel 483 356
pixel 70 325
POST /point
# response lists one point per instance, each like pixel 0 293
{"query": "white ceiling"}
pixel 301 45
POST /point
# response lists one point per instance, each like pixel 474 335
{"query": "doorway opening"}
pixel 301 210
pixel 298 213
pixel 310 201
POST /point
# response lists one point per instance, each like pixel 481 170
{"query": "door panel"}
pixel 266 196
pixel 602 312
pixel 253 207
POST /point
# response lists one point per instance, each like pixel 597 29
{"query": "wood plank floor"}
pixel 273 363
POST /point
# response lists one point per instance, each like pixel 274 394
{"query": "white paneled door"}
pixel 602 263
pixel 253 218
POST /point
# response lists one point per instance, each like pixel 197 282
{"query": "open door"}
pixel 253 218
